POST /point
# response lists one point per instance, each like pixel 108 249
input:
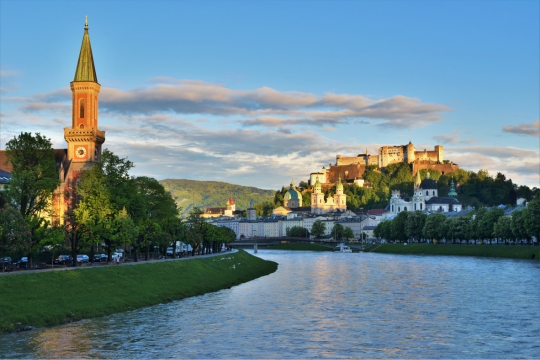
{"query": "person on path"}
pixel 117 259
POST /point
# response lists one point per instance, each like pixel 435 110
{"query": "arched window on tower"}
pixel 420 206
pixel 81 109
pixel 392 208
pixel 415 206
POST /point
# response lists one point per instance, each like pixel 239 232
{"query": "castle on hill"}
pixel 352 169
pixel 228 210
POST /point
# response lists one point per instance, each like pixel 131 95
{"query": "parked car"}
pixel 100 258
pixel 114 255
pixel 7 260
pixel 83 259
pixel 63 260
pixel 22 263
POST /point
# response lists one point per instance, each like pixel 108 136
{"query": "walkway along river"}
pixel 321 304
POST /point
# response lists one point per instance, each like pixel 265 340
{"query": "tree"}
pixel 14 233
pixel 348 233
pixel 445 231
pixel 318 229
pixel 298 231
pixel 532 218
pixel 337 231
pixel 33 176
pixel 487 223
pixel 34 180
pixel 472 229
pixel 159 203
pixel 175 228
pixel 518 224
pixel 415 224
pixel 398 227
pixel 432 226
pixel 503 228
pixel 459 227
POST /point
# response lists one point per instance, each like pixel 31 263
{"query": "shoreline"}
pixel 495 251
pixel 35 300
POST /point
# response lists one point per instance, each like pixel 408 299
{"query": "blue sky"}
pixel 253 93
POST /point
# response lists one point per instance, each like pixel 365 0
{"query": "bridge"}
pixel 266 242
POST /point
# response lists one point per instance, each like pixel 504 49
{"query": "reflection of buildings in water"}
pixel 63 342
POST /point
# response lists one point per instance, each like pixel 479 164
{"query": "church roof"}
pixel 86 70
pixel 292 195
pixel 428 184
pixel 442 200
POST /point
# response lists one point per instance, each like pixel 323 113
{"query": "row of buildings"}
pixel 279 225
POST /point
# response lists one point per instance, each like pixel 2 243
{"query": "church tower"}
pixel 84 138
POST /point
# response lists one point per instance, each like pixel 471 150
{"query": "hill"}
pixel 204 194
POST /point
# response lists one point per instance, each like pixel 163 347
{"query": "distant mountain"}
pixel 204 194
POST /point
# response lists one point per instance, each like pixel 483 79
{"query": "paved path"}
pixel 122 264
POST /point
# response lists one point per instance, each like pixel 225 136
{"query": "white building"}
pixel 320 206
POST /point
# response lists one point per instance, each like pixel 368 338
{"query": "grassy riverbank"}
pixel 513 252
pixel 300 246
pixel 57 297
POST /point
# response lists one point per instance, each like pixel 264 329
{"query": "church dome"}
pixel 292 195
pixel 339 185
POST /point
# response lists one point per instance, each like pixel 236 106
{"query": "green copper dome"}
pixel 317 183
pixel 452 192
pixel 292 195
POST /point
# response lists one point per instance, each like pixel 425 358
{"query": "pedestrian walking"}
pixel 117 259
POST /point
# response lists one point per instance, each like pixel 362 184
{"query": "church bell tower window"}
pixel 81 109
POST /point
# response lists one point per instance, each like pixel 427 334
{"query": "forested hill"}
pixel 204 194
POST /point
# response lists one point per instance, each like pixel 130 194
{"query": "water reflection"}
pixel 325 305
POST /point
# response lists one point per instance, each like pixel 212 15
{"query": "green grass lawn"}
pixel 57 297
pixel 300 246
pixel 514 252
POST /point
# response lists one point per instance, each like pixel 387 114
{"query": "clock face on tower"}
pixel 80 152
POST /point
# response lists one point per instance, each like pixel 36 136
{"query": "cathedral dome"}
pixel 292 195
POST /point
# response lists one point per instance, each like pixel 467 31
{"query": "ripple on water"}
pixel 325 305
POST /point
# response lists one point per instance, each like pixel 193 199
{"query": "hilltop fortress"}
pixel 351 169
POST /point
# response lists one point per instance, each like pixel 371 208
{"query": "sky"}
pixel 256 92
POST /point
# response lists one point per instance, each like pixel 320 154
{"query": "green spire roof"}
pixel 452 192
pixel 339 184
pixel 292 182
pixel 317 183
pixel 86 70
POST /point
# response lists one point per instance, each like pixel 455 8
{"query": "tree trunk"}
pixel 74 250
pixel 92 254
pixel 147 254
pixel 30 260
pixel 137 255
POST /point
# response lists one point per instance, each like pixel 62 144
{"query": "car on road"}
pixel 114 255
pixel 63 260
pixel 22 263
pixel 83 259
pixel 7 260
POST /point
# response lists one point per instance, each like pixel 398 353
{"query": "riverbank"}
pixel 300 246
pixel 58 297
pixel 512 252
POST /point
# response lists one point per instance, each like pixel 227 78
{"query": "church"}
pixel 84 139
pixel 426 197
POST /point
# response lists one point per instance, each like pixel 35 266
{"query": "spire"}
pixel 366 152
pixel 292 183
pixel 418 179
pixel 317 183
pixel 339 184
pixel 85 66
pixel 452 193
pixel 427 175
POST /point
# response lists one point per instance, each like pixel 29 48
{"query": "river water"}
pixel 325 305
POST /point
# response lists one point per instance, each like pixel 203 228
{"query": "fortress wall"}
pixel 353 171
pixel 373 160
pixel 349 160
pixel 443 168
pixel 427 155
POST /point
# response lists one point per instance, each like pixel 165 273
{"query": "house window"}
pixel 421 206
pixel 433 193
pixel 427 192
pixel 81 108
pixel 399 208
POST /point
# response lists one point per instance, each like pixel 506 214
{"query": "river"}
pixel 325 305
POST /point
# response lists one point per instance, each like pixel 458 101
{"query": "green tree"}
pixel 532 218
pixel 175 228
pixel 337 232
pixel 415 225
pixel 432 226
pixel 518 225
pixel 15 237
pixel 159 203
pixel 459 227
pixel 348 233
pixel 298 231
pixel 503 229
pixel 473 227
pixel 33 176
pixel 34 181
pixel 487 223
pixel 318 229
pixel 399 226
pixel 445 229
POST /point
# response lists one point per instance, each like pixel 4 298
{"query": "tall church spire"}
pixel 86 70
pixel 418 179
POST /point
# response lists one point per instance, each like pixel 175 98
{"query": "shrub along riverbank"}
pixel 300 246
pixel 513 252
pixel 57 297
